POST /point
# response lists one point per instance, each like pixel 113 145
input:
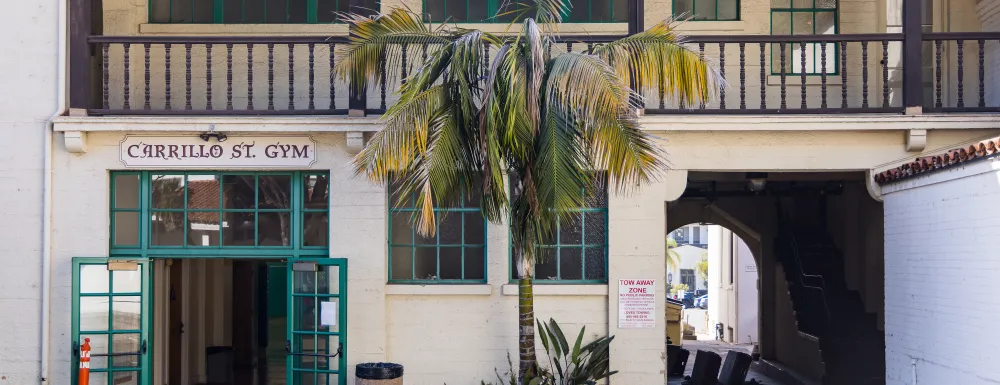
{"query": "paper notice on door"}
pixel 328 313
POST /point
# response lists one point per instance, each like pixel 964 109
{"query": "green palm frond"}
pixel 656 60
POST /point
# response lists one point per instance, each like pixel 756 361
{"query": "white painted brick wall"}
pixel 941 269
pixel 27 73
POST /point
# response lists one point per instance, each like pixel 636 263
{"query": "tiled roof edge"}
pixel 974 152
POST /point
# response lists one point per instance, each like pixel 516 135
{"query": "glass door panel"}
pixel 316 344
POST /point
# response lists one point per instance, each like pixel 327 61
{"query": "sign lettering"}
pixel 636 303
pixel 237 152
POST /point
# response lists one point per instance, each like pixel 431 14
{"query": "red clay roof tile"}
pixel 975 151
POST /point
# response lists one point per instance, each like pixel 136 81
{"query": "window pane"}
pixel 781 3
pixel 402 231
pixel 94 313
pixel 275 12
pixel 475 228
pixel 316 189
pixel 422 240
pixel 126 191
pixel 802 3
pixel 159 11
pixel 545 264
pixel 127 378
pixel 203 229
pixel 826 4
pixel 434 10
pixel 203 11
pixel 237 191
pixel 425 263
pixel 781 24
pixel 450 228
pixel 596 264
pixel 396 192
pixel 684 8
pixel 597 196
pixel 571 230
pixel 597 230
pixel 570 263
pixel 128 281
pixel 275 191
pixel 126 229
pixel 705 9
pixel 621 10
pixel 451 263
pixel 729 9
pixel 253 11
pixel 126 311
pixel 326 10
pixel 232 11
pixel 457 10
pixel 180 11
pixel 296 11
pixel 402 263
pixel 579 10
pixel 238 229
pixel 478 11
pixel 94 279
pixel 167 191
pixel 600 10
pixel 316 229
pixel 475 263
pixel 125 343
pixel 826 24
pixel 167 229
pixel 802 24
pixel 203 193
pixel 98 345
pixel 274 229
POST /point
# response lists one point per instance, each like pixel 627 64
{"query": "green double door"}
pixel 112 308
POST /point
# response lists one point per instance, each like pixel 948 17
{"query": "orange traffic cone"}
pixel 84 377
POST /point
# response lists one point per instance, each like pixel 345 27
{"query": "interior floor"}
pixel 222 321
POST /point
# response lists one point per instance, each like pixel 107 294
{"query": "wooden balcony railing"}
pixel 816 74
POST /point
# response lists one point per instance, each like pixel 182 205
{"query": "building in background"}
pixel 691 249
pixel 732 288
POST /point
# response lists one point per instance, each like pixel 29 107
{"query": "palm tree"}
pixel 673 257
pixel 465 121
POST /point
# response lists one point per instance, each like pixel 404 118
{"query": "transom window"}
pixel 254 11
pixel 503 11
pixel 455 254
pixel 195 210
pixel 579 251
pixel 707 10
pixel 804 17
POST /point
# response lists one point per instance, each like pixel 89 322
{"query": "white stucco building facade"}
pixel 732 290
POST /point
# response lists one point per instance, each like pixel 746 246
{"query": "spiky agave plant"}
pixel 465 119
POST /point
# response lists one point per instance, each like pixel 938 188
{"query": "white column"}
pixel 637 240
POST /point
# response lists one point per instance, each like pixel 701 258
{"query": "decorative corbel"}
pixel 916 140
pixel 874 189
pixel 676 181
pixel 75 141
pixel 355 141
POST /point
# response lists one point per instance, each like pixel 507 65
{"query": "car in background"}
pixel 701 302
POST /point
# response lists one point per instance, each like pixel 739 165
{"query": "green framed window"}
pixel 455 254
pixel 578 253
pixel 254 11
pixel 503 11
pixel 707 10
pixel 220 210
pixel 805 17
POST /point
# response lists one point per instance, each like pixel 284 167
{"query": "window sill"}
pixel 560 290
pixel 438 289
pixel 243 29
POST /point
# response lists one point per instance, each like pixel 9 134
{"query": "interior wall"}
pixel 793 349
pixel 855 223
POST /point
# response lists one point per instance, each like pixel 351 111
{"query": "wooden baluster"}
pixel 145 68
pixel 784 77
pixel 802 75
pixel 208 76
pixel 843 74
pixel 187 76
pixel 402 67
pixel 982 73
pixel 105 48
pixel 722 73
pixel 937 73
pixel 864 74
pixel 701 54
pixel 166 61
pixel 312 77
pixel 382 84
pixel 743 77
pixel 250 76
pixel 270 76
pixel 229 76
pixel 961 72
pixel 885 74
pixel 333 78
pixel 291 76
pixel 822 74
pixel 128 74
pixel 763 76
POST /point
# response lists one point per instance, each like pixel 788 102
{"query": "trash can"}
pixel 219 364
pixel 378 373
pixel 673 317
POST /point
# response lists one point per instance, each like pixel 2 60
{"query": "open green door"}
pixel 317 321
pixel 111 308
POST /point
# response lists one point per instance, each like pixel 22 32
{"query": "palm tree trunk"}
pixel 526 341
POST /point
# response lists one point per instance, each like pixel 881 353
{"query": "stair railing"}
pixel 793 245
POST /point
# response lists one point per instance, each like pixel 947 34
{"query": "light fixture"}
pixel 758 180
pixel 211 133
